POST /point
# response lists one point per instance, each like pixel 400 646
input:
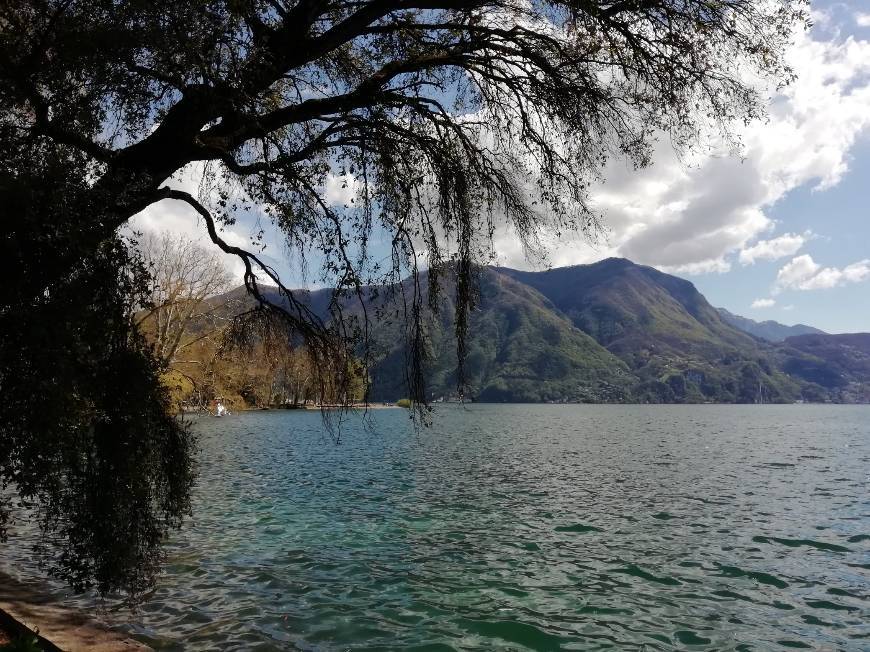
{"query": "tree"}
pixel 264 366
pixel 442 110
pixel 292 380
pixel 86 436
pixel 184 275
pixel 444 116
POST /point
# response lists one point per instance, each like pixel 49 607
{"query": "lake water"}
pixel 525 527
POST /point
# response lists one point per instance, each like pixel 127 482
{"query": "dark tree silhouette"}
pixel 448 116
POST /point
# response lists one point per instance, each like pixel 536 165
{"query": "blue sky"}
pixel 838 216
pixel 780 232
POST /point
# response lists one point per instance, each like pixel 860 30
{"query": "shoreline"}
pixel 297 408
pixel 27 609
pixel 392 406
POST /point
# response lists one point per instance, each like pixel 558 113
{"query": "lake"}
pixel 539 527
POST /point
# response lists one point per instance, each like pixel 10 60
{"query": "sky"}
pixel 780 231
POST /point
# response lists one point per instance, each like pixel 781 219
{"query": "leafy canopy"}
pixel 446 114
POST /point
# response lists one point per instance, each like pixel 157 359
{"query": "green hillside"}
pixel 667 333
pixel 836 367
pixel 612 331
pixel 521 349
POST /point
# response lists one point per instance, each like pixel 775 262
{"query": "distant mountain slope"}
pixel 665 330
pixel 612 331
pixel 769 330
pixel 840 364
pixel 519 349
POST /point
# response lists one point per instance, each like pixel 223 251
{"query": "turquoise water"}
pixel 525 527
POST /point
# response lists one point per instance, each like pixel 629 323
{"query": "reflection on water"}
pixel 525 527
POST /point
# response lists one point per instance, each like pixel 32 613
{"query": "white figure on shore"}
pixel 221 410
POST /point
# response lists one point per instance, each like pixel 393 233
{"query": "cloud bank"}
pixel 803 273
pixel 702 214
pixel 774 249
pixel 705 213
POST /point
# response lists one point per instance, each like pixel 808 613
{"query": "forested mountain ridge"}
pixel 769 330
pixel 671 338
pixel 519 348
pixel 611 331
pixel 840 364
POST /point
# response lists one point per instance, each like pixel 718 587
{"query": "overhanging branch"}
pixel 301 317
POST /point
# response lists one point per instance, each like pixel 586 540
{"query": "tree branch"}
pixel 304 320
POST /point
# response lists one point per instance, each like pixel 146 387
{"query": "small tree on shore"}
pixel 184 275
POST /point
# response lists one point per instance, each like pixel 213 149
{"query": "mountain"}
pixel 671 338
pixel 519 349
pixel 612 331
pixel 769 330
pixel 838 365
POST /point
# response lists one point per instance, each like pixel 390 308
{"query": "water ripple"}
pixel 524 527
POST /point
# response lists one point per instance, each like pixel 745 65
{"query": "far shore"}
pixel 388 406
pixel 308 407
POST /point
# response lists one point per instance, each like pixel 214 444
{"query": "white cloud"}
pixel 774 249
pixel 797 271
pixel 763 303
pixel 862 19
pixel 178 217
pixel 697 216
pixel 803 273
pixel 714 266
pixel 341 190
